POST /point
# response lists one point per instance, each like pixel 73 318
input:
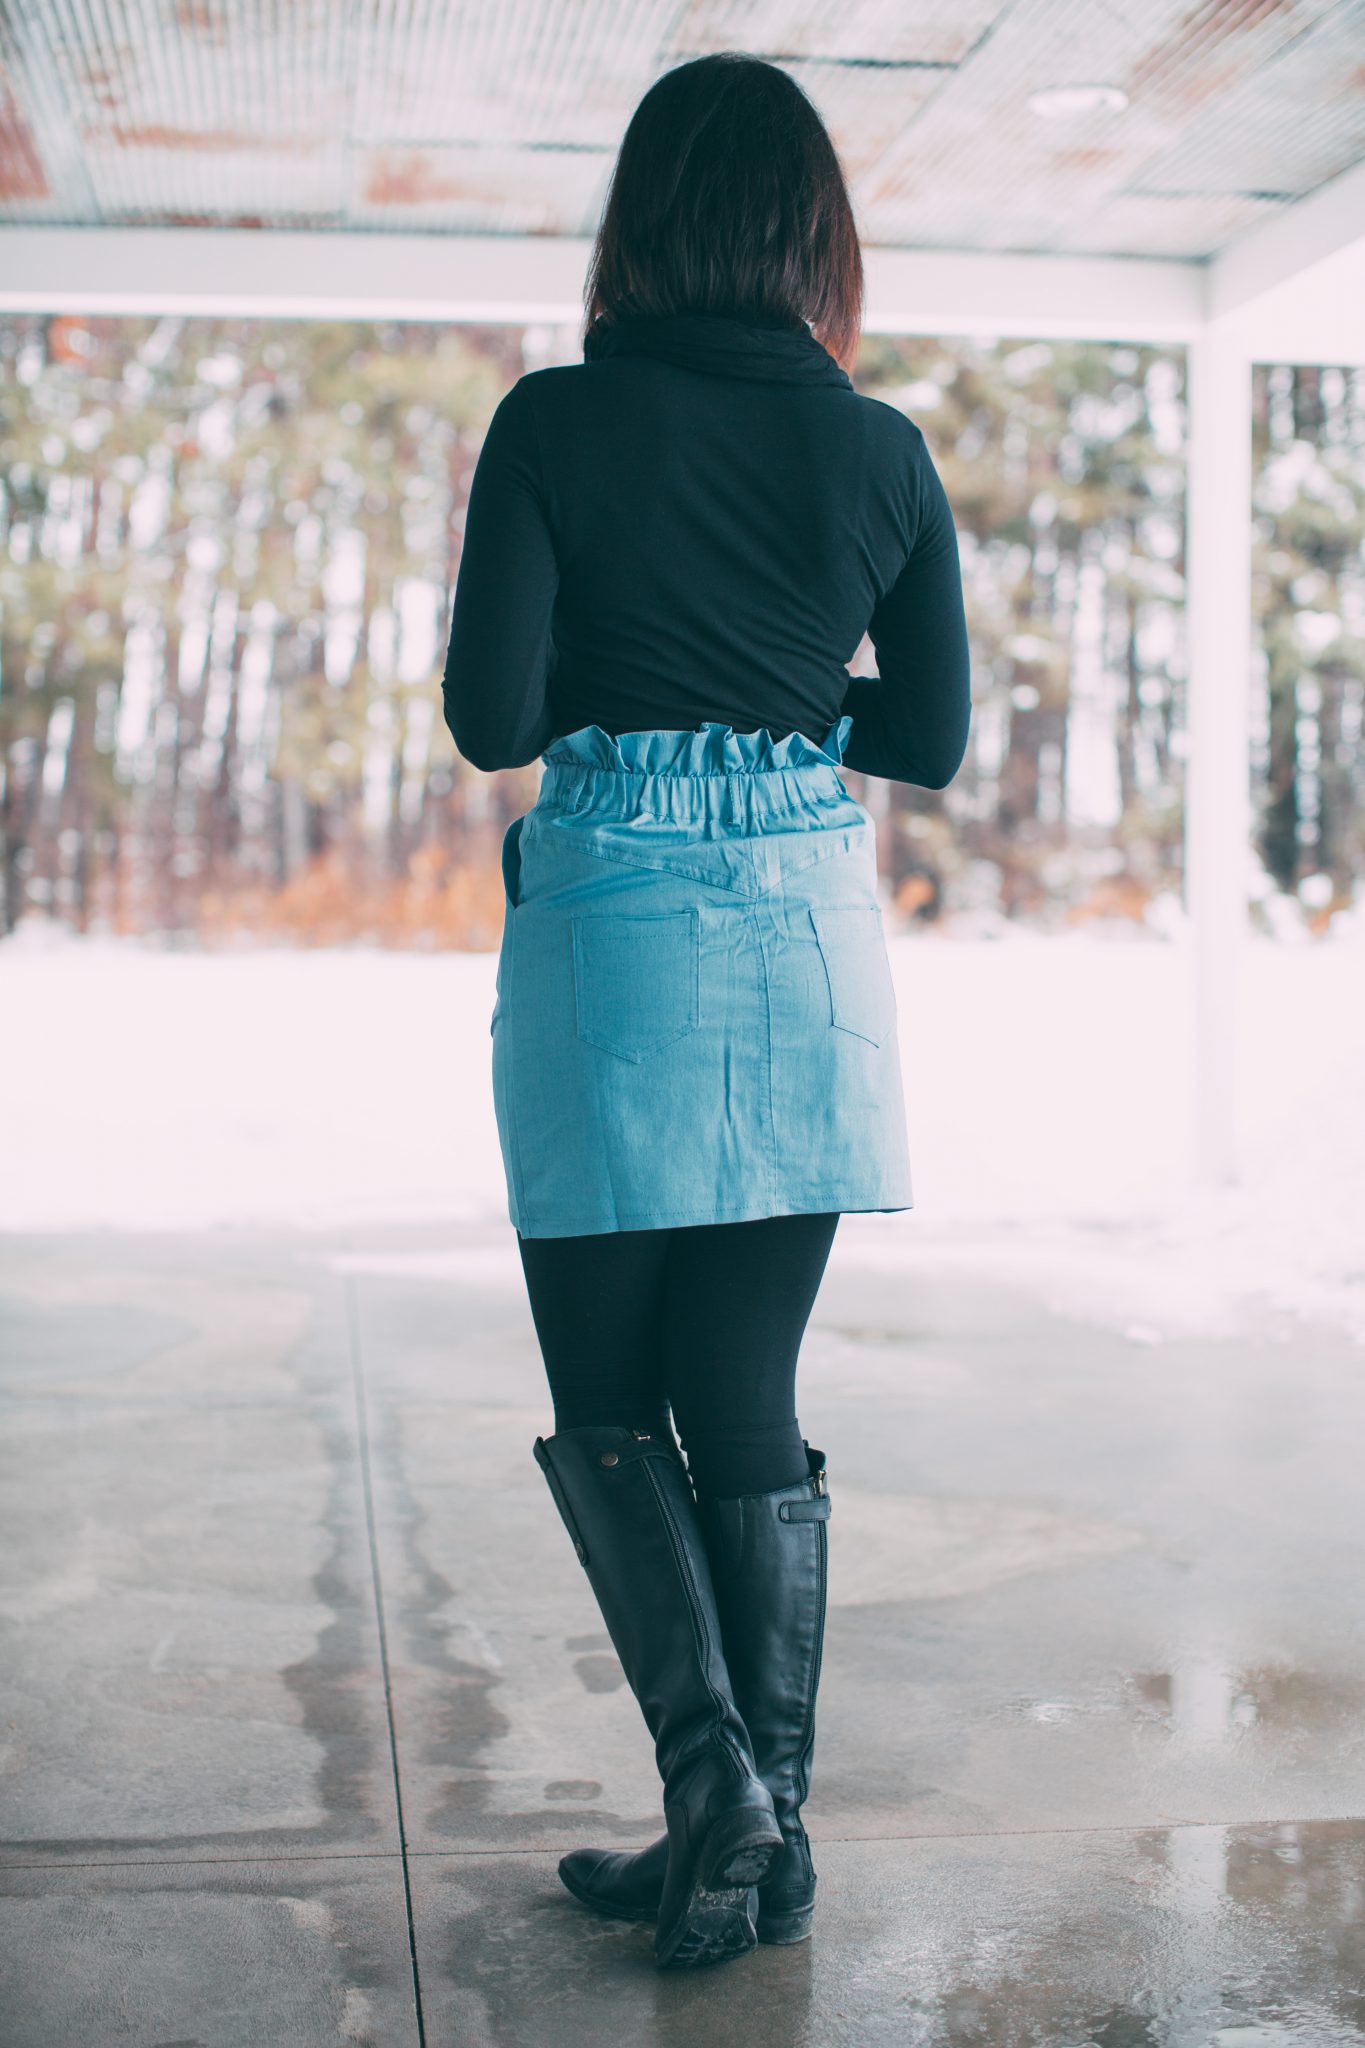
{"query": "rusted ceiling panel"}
pixel 202 175
pixel 1284 127
pixel 876 31
pixel 1163 225
pixel 23 177
pixel 504 116
pixel 979 169
pixel 42 170
pixel 200 110
pixel 506 71
pixel 478 190
pixel 865 108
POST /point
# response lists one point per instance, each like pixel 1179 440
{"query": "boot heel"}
pixel 717 1922
pixel 782 1928
pixel 738 1851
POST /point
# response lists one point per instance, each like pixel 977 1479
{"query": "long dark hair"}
pixel 728 197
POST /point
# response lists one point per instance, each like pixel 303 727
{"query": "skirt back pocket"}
pixel 637 978
pixel 852 944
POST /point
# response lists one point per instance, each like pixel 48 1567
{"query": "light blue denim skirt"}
pixel 695 1020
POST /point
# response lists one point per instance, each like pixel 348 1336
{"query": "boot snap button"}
pixel 610 1458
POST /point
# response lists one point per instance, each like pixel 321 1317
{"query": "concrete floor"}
pixel 275 1557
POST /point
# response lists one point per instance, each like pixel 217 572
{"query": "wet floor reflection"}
pixel 1204 1698
pixel 1094 1687
pixel 1185 1937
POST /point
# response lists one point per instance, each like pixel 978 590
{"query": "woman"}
pixel 671 552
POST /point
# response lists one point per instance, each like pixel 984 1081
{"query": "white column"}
pixel 1218 803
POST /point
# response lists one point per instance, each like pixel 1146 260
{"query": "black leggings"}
pixel 707 1320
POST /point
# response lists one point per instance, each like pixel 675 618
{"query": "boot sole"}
pixel 776 1929
pixel 717 1922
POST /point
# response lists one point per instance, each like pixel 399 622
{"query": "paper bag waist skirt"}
pixel 694 1019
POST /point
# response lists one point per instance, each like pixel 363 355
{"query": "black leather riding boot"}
pixel 769 1561
pixel 768 1556
pixel 628 1505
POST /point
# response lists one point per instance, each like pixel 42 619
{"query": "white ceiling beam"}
pixel 222 271
pixel 1080 298
pixel 1293 289
pixel 292 274
pixel 1282 293
pixel 1329 223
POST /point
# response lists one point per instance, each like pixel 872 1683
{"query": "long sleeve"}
pixel 910 723
pixel 498 661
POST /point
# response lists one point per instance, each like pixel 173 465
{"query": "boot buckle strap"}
pixel 814 1508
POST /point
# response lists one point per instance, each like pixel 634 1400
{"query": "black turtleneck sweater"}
pixel 700 521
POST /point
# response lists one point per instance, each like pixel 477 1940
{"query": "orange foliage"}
pixel 1116 896
pixel 913 895
pixel 439 904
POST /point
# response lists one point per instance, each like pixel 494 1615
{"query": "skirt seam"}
pixel 772 1110
pixel 518 1190
pixel 689 871
pixel 650 1220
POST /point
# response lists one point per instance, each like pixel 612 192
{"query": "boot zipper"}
pixel 801 1772
pixel 699 1629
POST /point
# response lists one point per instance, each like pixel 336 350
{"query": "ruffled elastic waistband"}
pixel 712 749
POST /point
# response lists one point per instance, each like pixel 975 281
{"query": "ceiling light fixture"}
pixel 1059 102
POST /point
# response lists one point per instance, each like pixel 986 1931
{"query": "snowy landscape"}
pixel 252 893
pixel 1047 1079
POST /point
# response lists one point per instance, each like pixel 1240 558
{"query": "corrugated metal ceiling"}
pixel 503 116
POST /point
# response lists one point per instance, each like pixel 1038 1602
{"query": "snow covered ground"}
pixel 1047 1084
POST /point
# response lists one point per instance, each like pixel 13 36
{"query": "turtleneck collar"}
pixel 718 343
